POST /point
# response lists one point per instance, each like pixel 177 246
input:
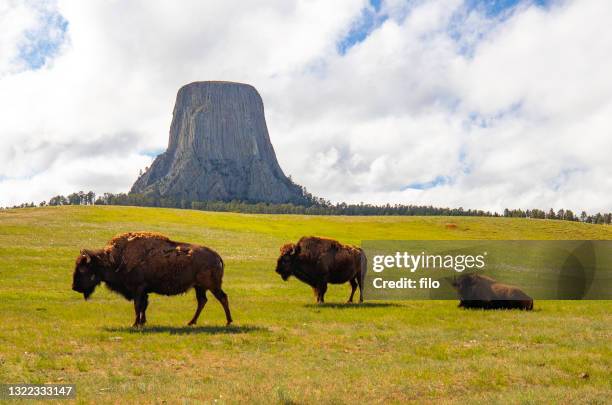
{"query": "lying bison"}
pixel 318 261
pixel 478 291
pixel 136 264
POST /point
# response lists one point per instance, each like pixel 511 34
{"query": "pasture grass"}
pixel 283 348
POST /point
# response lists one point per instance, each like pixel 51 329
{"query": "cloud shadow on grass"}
pixel 363 305
pixel 190 330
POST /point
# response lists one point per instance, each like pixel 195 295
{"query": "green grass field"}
pixel 284 349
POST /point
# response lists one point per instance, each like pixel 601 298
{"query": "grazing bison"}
pixel 318 261
pixel 136 264
pixel 478 291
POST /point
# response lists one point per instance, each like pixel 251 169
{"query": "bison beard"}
pixel 478 291
pixel 136 264
pixel 319 261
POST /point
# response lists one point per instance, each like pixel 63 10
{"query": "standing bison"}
pixel 318 261
pixel 478 291
pixel 136 264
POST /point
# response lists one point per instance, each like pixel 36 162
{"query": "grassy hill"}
pixel 282 347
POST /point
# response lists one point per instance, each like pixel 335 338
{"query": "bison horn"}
pixel 86 255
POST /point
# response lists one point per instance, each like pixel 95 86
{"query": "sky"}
pixel 475 103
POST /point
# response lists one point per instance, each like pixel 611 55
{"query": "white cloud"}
pixel 511 112
pixel 15 20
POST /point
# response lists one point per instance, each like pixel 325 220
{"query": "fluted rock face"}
pixel 219 150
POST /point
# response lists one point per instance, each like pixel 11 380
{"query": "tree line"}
pixel 313 206
pixel 565 215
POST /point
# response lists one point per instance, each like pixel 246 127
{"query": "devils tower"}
pixel 219 150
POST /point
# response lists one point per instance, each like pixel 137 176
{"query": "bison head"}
pixel 85 278
pixel 284 264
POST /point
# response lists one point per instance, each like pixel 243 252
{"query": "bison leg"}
pixel 353 289
pixel 137 306
pixel 201 297
pixel 222 297
pixel 140 305
pixel 141 301
pixel 144 303
pixel 321 292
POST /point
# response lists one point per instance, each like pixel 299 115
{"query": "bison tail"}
pixel 218 272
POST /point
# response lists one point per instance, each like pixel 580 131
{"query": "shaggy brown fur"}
pixel 319 261
pixel 130 236
pixel 138 263
pixel 478 291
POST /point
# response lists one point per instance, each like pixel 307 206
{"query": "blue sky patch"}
pixel 376 4
pixel 495 11
pixel 438 181
pixel 44 42
pixel 493 8
pixel 370 19
pixel 153 153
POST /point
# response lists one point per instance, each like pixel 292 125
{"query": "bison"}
pixel 135 264
pixel 318 261
pixel 478 291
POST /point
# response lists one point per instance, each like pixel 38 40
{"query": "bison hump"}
pixel 131 236
pixel 314 246
pixel 128 249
